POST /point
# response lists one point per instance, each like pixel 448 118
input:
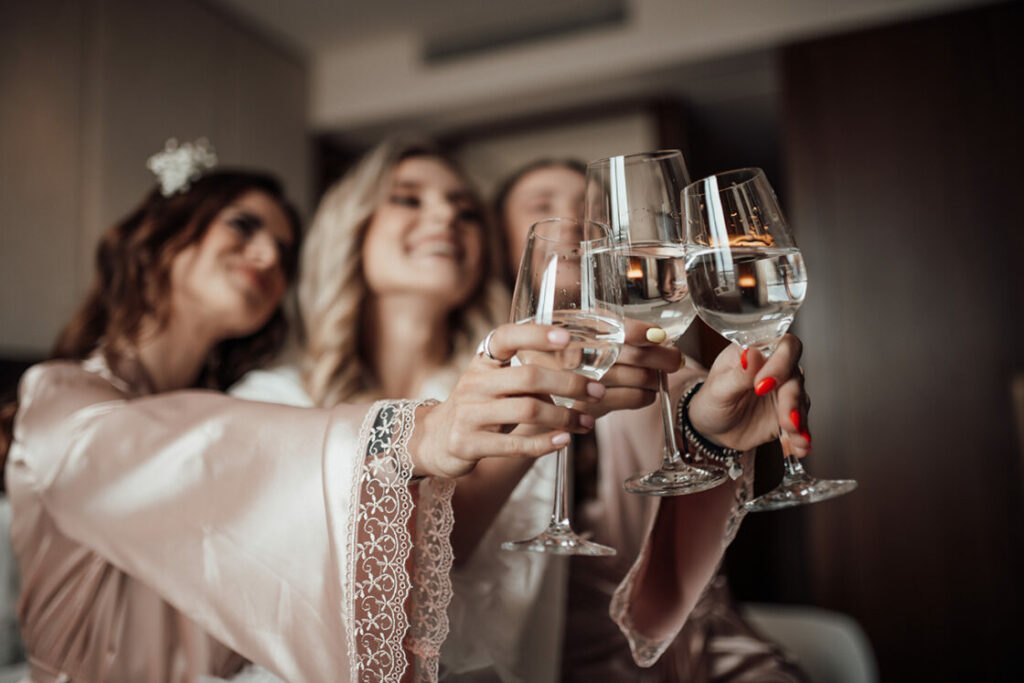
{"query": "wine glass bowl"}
pixel 747 280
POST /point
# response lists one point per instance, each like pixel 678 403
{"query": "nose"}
pixel 262 251
pixel 441 211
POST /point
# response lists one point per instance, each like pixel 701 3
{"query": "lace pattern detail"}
pixel 432 583
pixel 380 546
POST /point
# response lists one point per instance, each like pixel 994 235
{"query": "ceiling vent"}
pixel 558 21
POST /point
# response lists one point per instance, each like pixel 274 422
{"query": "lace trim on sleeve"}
pixel 647 651
pixel 432 583
pixel 381 545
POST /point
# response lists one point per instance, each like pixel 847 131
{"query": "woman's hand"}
pixel 491 398
pixel 733 408
pixel 633 381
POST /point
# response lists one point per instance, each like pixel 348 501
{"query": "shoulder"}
pixel 62 376
pixel 279 384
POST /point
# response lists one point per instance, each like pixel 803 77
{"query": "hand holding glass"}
pixel 747 280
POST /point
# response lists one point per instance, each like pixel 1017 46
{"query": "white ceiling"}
pixel 369 68
pixel 312 27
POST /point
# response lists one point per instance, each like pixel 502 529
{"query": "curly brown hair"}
pixel 132 282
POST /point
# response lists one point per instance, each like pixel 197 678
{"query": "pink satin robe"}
pixel 508 612
pixel 165 537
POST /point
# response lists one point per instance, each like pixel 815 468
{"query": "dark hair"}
pixel 132 282
pixel 506 187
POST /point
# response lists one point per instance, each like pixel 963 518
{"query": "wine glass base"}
pixel 559 542
pixel 669 481
pixel 802 491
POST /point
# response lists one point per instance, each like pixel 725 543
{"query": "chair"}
pixel 829 646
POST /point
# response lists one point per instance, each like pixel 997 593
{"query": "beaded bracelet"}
pixel 727 457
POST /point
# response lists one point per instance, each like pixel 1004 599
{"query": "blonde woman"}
pixel 400 278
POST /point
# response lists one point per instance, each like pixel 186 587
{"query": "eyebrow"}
pixel 413 185
pixel 248 216
pixel 541 192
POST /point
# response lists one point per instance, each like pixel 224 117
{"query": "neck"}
pixel 173 357
pixel 407 341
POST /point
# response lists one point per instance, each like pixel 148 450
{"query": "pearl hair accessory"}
pixel 178 165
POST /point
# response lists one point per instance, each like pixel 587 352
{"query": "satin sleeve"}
pixel 681 539
pixel 292 535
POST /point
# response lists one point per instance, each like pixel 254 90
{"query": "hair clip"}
pixel 178 165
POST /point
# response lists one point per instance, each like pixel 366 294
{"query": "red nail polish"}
pixel 743 358
pixel 807 435
pixel 764 386
pixel 794 417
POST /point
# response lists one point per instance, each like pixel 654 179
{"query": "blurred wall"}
pixel 92 88
pixel 490 160
pixel 903 146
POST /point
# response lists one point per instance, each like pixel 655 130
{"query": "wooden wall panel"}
pixel 906 192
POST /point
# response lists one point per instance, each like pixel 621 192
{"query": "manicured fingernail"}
pixel 558 337
pixel 743 358
pixel 764 386
pixel 560 439
pixel 587 420
pixel 807 435
pixel 656 335
pixel 682 363
pixel 596 389
pixel 794 417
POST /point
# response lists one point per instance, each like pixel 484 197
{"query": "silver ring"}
pixel 484 350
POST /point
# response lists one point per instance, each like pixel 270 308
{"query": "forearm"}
pixel 479 497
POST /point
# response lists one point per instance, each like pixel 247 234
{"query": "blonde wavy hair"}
pixel 332 288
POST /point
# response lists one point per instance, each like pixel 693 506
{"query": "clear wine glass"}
pixel 567 277
pixel 747 279
pixel 637 196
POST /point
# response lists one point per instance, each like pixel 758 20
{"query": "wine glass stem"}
pixel 792 469
pixel 672 455
pixel 560 511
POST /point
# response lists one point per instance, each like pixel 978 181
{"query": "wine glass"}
pixel 567 277
pixel 747 280
pixel 637 196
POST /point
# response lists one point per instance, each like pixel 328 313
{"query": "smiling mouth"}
pixel 255 280
pixel 442 249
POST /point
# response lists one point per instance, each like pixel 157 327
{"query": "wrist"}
pixel 418 444
pixel 701 443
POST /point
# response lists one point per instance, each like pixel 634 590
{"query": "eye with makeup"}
pixel 470 214
pixel 245 223
pixel 542 208
pixel 410 201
